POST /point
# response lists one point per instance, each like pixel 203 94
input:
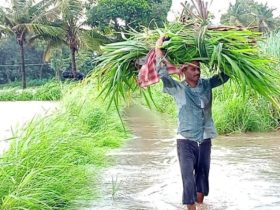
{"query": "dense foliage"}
pixel 10 67
pixel 50 91
pixel 122 15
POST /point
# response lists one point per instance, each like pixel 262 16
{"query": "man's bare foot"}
pixel 200 206
pixel 199 197
pixel 191 207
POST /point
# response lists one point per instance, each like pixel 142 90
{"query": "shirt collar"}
pixel 198 84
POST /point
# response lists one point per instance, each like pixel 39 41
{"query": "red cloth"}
pixel 148 75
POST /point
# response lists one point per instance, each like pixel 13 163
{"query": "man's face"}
pixel 192 71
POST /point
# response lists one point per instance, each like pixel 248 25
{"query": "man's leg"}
pixel 202 170
pixel 199 197
pixel 187 155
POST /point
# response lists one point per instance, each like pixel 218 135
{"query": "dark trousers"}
pixel 194 162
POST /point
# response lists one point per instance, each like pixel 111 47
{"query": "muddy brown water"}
pixel 244 174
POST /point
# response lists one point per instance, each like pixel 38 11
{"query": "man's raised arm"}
pixel 218 79
pixel 169 84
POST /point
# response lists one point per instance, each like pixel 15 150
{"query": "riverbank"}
pixel 54 161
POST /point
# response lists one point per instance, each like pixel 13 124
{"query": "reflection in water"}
pixel 245 170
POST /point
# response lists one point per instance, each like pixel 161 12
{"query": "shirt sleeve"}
pixel 169 85
pixel 218 80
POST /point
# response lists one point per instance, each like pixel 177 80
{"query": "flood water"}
pixel 244 174
pixel 13 115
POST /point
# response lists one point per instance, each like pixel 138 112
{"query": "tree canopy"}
pixel 124 14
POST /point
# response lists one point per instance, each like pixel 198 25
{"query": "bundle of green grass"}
pixel 233 51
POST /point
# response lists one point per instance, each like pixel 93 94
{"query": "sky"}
pixel 219 7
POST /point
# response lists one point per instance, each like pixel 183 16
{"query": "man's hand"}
pixel 158 51
pixel 159 42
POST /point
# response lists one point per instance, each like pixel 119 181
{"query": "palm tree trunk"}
pixel 263 27
pixel 41 72
pixel 23 74
pixel 57 74
pixel 8 75
pixel 73 59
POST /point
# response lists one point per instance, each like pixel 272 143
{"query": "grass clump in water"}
pixel 53 162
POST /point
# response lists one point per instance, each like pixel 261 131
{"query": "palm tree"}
pixel 23 18
pixel 248 13
pixel 74 32
pixel 71 13
pixel 239 14
pixel 264 17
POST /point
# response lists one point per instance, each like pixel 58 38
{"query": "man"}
pixel 193 97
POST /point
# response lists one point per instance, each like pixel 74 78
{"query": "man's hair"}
pixel 185 66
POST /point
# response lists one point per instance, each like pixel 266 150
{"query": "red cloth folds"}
pixel 148 74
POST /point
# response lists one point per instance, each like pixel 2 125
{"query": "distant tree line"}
pixel 38 39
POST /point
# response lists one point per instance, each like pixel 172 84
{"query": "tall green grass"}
pixel 50 91
pixel 271 45
pixel 30 83
pixel 233 113
pixel 53 162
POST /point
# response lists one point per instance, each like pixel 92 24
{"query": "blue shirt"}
pixel 194 104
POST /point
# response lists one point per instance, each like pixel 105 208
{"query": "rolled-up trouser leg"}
pixel 203 167
pixel 187 154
